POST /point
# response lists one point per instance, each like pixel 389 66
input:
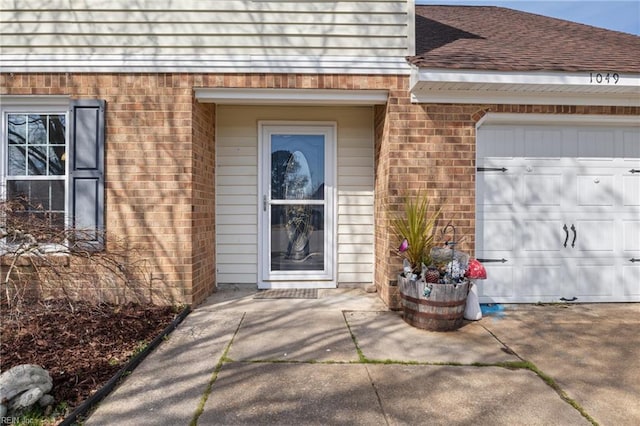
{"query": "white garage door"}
pixel 558 213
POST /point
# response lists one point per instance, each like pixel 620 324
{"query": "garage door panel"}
pixel 543 190
pixel 542 280
pixel 630 145
pixel 596 189
pixel 593 237
pixel 631 237
pixel 594 277
pixel 631 280
pixel 500 143
pixel 500 285
pixel 498 235
pixel 546 236
pixel 543 143
pixel 631 190
pixel 498 189
pixel 596 144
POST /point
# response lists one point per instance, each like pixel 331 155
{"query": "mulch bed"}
pixel 81 345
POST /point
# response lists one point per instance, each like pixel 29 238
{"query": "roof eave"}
pixel 432 85
pixel 313 97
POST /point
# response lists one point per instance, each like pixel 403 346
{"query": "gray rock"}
pixel 46 400
pixel 26 399
pixel 24 385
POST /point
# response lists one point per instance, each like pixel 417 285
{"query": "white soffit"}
pixel 529 88
pixel 247 96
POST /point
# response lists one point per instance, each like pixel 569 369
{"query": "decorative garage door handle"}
pixel 566 233
pixel 634 171
pixel 575 235
pixel 491 169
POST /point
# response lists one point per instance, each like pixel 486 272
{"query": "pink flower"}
pixel 403 246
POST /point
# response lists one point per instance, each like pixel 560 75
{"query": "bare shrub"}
pixel 42 258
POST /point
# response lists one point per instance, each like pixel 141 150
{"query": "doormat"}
pixel 287 293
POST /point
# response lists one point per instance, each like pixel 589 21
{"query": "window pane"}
pixel 39 197
pixel 17 189
pixel 45 195
pixel 297 167
pixel 56 129
pixel 57 195
pixel 37 129
pixel 17 124
pixel 38 160
pixel 56 162
pixel 17 161
pixel 297 238
pixel 57 221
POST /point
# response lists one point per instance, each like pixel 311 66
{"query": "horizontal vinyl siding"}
pixel 237 173
pixel 196 34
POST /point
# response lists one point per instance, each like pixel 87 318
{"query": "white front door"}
pixel 296 217
pixel 558 213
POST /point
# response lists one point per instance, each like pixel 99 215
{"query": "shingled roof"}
pixel 501 39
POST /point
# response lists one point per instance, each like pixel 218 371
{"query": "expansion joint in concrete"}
pixel 214 375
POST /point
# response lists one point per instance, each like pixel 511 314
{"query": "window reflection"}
pixel 297 230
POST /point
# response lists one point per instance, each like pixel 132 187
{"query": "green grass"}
pixel 36 416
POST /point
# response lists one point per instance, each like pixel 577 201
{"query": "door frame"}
pixel 326 279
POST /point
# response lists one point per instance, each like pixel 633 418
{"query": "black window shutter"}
pixel 86 165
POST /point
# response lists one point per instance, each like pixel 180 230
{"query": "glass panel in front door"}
pixel 297 202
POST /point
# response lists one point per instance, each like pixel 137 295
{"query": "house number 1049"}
pixel 604 78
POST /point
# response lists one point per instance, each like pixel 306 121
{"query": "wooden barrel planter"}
pixel 441 310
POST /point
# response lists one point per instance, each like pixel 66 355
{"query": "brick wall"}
pixel 203 229
pixel 160 163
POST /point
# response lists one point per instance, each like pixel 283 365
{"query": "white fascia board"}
pixel 203 63
pixel 583 78
pixel 524 98
pixel 249 96
pixel 529 88
pixel 558 119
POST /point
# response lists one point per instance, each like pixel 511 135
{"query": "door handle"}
pixel 264 203
pixel 566 232
pixel 575 235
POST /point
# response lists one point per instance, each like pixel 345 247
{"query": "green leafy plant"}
pixel 415 224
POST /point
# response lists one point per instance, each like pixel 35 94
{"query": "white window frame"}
pixel 34 105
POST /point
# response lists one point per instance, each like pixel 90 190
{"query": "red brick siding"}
pixel 203 230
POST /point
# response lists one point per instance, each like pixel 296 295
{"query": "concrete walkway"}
pixel 344 359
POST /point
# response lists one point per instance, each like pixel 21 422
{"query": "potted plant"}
pixel 415 227
pixel 433 285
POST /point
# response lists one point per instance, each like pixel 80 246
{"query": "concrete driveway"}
pixel 343 359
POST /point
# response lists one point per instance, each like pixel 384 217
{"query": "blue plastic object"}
pixel 492 309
